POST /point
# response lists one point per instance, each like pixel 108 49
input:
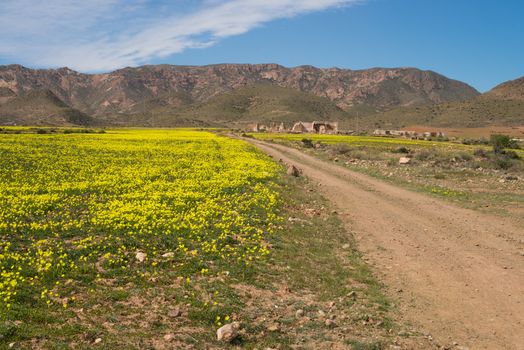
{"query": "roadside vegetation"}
pixel 155 238
pixel 483 174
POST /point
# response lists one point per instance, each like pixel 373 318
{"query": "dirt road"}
pixel 458 274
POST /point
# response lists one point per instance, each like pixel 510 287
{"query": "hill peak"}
pixel 509 90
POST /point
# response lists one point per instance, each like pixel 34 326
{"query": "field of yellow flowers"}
pixel 78 207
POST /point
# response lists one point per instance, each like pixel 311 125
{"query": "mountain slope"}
pixel 130 91
pixel 40 107
pixel 255 103
pixel 265 103
pixel 510 90
pixel 501 106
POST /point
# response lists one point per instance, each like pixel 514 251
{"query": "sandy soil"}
pixel 457 274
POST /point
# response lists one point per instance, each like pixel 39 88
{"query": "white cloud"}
pixel 94 35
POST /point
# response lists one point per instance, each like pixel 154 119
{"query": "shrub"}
pixel 307 143
pixel 341 148
pixel 401 149
pixel 362 155
pixel 511 154
pixel 392 161
pixel 500 142
pixel 480 152
pixel 424 155
pixel 463 156
pixel 502 162
pixel 481 141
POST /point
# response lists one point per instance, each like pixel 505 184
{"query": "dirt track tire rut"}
pixel 461 272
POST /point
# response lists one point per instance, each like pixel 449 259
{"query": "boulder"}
pixel 228 332
pixel 404 160
pixel 293 171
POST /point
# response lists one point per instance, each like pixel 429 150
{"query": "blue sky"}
pixel 480 42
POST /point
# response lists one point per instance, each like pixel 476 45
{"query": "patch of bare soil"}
pixel 458 274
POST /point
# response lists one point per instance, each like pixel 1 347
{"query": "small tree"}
pixel 500 142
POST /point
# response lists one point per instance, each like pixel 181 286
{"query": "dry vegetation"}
pixel 469 174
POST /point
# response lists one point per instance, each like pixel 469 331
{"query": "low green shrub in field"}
pixel 481 141
pixel 502 162
pixel 307 143
pixel 402 149
pixel 501 142
pixel 463 156
pixel 480 152
pixel 425 155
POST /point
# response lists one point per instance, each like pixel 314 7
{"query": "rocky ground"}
pixel 468 176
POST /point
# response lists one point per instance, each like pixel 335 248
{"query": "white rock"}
pixel 228 332
pixel 404 160
pixel 140 256
pixel 168 255
pixel 98 340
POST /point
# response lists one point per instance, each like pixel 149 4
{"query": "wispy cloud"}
pixel 95 35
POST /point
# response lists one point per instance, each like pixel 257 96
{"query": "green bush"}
pixel 500 142
pixel 502 162
pixel 307 143
pixel 481 141
pixel 511 154
pixel 401 149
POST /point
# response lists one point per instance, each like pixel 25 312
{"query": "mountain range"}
pixel 226 94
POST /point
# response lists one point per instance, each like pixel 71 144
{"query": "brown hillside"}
pixel 501 106
pixel 510 90
pixel 40 107
pixel 128 90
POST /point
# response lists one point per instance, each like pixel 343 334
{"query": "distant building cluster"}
pixel 297 128
pixel 407 133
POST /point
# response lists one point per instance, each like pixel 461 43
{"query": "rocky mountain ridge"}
pixel 127 91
